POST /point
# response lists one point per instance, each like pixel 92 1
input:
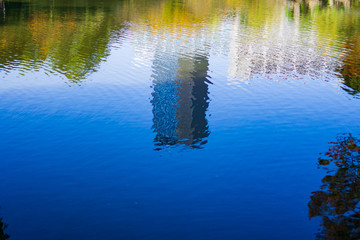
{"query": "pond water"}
pixel 175 119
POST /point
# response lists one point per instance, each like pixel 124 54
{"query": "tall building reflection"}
pixel 180 100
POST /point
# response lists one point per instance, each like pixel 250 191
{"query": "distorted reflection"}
pixel 298 8
pixel 338 200
pixel 351 68
pixel 288 42
pixel 3 234
pixel 2 8
pixel 345 33
pixel 72 38
pixel 59 38
pixel 180 100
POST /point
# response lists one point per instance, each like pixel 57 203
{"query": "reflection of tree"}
pixel 180 100
pixel 351 69
pixel 3 226
pixel 72 37
pixel 338 201
pixel 304 7
pixel 71 40
pixel 344 28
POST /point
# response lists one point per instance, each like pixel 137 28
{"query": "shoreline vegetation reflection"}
pixel 338 200
pixel 282 40
pixel 72 38
pixel 346 24
pixel 182 43
pixel 3 234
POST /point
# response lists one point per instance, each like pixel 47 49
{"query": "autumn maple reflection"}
pixel 338 200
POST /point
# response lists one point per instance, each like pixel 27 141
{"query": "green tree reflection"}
pixel 351 69
pixel 68 39
pixel 72 37
pixel 344 15
pixel 338 201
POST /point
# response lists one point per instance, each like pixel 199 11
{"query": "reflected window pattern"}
pixel 164 99
pixel 180 100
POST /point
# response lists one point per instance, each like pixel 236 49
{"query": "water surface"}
pixel 167 119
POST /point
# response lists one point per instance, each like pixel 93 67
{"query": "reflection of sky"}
pixel 98 141
pixel 77 161
pixel 165 98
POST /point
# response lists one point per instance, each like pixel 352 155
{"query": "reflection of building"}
pixel 180 99
pixel 280 48
pixel 164 99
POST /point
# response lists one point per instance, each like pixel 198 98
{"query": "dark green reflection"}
pixel 308 8
pixel 72 37
pixel 180 100
pixel 351 68
pixel 338 200
pixel 344 29
pixel 67 37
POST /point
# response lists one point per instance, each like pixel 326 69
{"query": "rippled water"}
pixel 168 119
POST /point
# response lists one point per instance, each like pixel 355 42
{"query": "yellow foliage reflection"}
pixel 72 38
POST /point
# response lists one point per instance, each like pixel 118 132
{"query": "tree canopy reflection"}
pixel 351 69
pixel 72 38
pixel 338 200
pixel 3 234
pixel 66 38
pixel 345 18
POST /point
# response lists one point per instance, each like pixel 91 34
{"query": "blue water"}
pixel 129 152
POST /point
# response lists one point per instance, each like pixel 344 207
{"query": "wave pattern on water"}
pixel 89 89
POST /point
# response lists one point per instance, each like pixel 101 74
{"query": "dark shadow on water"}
pixel 338 200
pixel 3 234
pixel 180 100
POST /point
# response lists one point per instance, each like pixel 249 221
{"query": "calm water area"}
pixel 179 119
